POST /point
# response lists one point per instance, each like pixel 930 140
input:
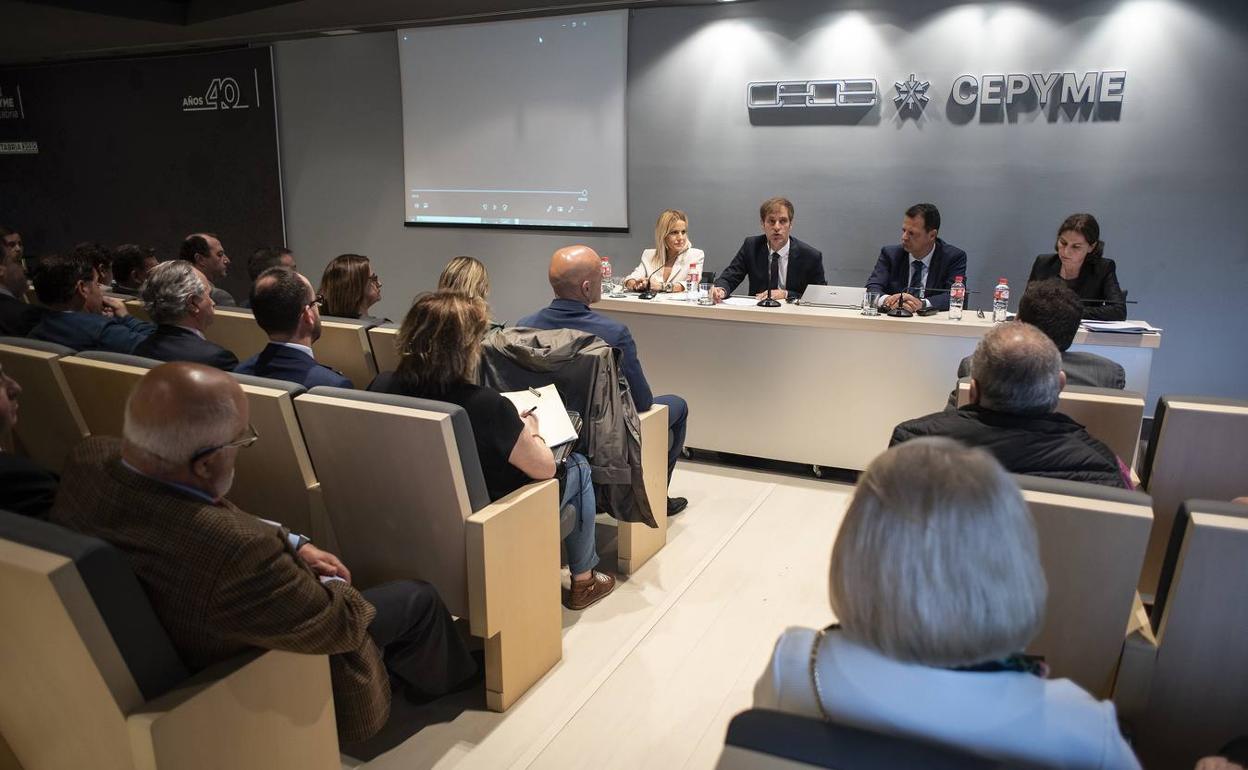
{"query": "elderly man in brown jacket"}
pixel 222 580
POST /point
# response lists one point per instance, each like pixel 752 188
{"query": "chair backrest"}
pixel 50 423
pixel 1092 540
pixel 399 479
pixel 136 308
pixel 1111 416
pixel 236 330
pixel 101 383
pixel 81 647
pixel 384 342
pixel 1196 451
pixel 344 346
pixel 760 738
pixel 1199 682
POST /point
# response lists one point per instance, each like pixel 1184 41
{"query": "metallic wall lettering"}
pixel 787 94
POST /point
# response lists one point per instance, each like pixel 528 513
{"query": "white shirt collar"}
pixel 925 257
pixel 783 251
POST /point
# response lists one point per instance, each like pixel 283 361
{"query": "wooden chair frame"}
pixel 51 423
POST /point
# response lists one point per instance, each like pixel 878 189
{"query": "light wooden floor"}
pixel 652 674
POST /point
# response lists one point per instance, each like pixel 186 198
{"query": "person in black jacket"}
pixel 16 317
pixel 25 486
pixel 772 259
pixel 177 295
pixel 1080 261
pixel 921 263
pixel 1016 380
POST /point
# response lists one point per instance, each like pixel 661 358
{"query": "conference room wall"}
pixel 1165 177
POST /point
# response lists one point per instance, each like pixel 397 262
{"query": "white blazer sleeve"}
pixel 640 272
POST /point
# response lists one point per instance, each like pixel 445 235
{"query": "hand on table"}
pixel 775 294
pixel 718 294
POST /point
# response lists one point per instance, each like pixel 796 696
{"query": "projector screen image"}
pixel 516 123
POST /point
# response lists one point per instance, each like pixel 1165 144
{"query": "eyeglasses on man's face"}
pixel 318 300
pixel 248 438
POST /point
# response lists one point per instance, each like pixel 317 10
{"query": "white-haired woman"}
pixel 673 258
pixel 937 584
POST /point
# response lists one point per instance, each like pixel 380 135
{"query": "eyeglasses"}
pixel 318 300
pixel 242 443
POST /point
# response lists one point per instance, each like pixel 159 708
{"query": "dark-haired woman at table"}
pixel 1081 263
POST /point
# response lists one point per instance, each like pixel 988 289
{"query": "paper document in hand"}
pixel 742 301
pixel 552 416
pixel 1120 327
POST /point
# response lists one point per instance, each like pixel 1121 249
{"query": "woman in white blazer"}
pixel 665 267
pixel 936 581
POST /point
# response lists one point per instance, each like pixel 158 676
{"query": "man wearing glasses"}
pixel 222 580
pixel 80 316
pixel 290 313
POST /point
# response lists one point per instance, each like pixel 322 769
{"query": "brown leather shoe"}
pixel 590 590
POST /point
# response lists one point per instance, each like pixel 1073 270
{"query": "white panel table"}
pixel 821 386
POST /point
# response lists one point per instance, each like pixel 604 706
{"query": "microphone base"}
pixel 647 295
pixel 768 303
pixel 900 312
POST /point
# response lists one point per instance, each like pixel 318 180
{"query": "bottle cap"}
pixel 958 277
pixel 1002 280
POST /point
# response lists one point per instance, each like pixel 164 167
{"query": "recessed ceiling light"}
pixel 333 32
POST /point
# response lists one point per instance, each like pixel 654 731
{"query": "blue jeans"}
pixel 578 491
pixel 677 416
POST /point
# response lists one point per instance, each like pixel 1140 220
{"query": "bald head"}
pixel 179 409
pixel 576 274
pixel 1017 368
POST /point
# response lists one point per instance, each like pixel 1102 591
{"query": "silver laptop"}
pixel 833 296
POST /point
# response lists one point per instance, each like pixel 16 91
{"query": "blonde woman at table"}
pixel 665 267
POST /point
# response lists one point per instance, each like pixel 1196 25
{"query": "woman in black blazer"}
pixel 1081 264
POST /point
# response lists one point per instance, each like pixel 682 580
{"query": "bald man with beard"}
pixel 222 580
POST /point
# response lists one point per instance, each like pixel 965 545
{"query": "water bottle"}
pixel 957 295
pixel 691 283
pixel 608 279
pixel 1000 300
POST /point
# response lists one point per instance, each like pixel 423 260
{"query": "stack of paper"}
pixel 553 423
pixel 1120 327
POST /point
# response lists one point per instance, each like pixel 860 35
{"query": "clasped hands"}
pixel 656 284
pixel 718 294
pixel 907 301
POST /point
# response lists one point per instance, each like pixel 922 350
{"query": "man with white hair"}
pixel 222 580
pixel 177 296
pixel 1016 380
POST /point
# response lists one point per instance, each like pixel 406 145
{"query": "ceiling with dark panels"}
pixel 70 29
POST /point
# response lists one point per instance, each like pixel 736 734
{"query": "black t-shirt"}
pixel 495 426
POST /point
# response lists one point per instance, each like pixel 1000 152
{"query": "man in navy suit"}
pixel 16 317
pixel 178 297
pixel 79 315
pixel 772 259
pixel 289 310
pixel 576 277
pixel 204 250
pixel 921 263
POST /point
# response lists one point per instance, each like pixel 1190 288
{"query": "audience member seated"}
pixel 441 342
pixel 101 259
pixel 1016 380
pixel 576 277
pixel 25 486
pixel 204 250
pixel 937 584
pixel 467 275
pixel 1055 310
pixel 290 313
pixel 222 580
pixel 131 264
pixel 350 288
pixel 69 286
pixel 177 296
pixel 16 317
pixel 264 258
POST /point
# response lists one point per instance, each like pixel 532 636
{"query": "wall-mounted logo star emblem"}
pixel 911 94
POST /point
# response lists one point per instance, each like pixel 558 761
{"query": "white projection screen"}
pixel 516 123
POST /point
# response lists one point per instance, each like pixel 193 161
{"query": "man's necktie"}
pixel 916 277
pixel 775 271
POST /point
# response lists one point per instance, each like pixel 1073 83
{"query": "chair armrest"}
pixel 638 542
pixel 262 709
pixel 1135 668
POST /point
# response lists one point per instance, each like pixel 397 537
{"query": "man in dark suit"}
pixel 25 486
pixel 222 580
pixel 921 263
pixel 772 259
pixel 204 250
pixel 289 310
pixel 131 264
pixel 16 317
pixel 576 277
pixel 80 316
pixel 176 295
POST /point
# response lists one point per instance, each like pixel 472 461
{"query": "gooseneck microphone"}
pixel 647 293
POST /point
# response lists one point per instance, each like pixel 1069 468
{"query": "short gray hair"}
pixel 167 288
pixel 937 561
pixel 201 424
pixel 1017 369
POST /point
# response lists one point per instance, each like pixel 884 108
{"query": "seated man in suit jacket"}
pixel 289 310
pixel 772 259
pixel 25 486
pixel 177 296
pixel 79 315
pixel 16 317
pixel 921 260
pixel 222 580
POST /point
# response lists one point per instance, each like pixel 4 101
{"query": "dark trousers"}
pixel 677 416
pixel 418 639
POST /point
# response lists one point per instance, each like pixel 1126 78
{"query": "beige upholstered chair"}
pixel 406 496
pixel 638 542
pixel 344 346
pixel 91 680
pixel 1197 450
pixel 383 340
pixel 236 330
pixel 101 382
pixel 1183 684
pixel 135 308
pixel 50 424
pixel 1092 541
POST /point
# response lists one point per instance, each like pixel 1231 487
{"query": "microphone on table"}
pixel 647 293
pixel 769 302
pixel 913 291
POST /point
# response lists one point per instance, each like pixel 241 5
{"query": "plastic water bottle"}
pixel 1000 300
pixel 691 283
pixel 957 296
pixel 608 280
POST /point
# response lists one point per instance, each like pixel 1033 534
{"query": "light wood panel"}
pixel 49 424
pixel 236 330
pixel 383 340
pixel 638 542
pixel 100 389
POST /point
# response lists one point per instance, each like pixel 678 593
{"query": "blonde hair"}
pixel 343 285
pixel 937 561
pixel 667 223
pixel 465 275
pixel 440 341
